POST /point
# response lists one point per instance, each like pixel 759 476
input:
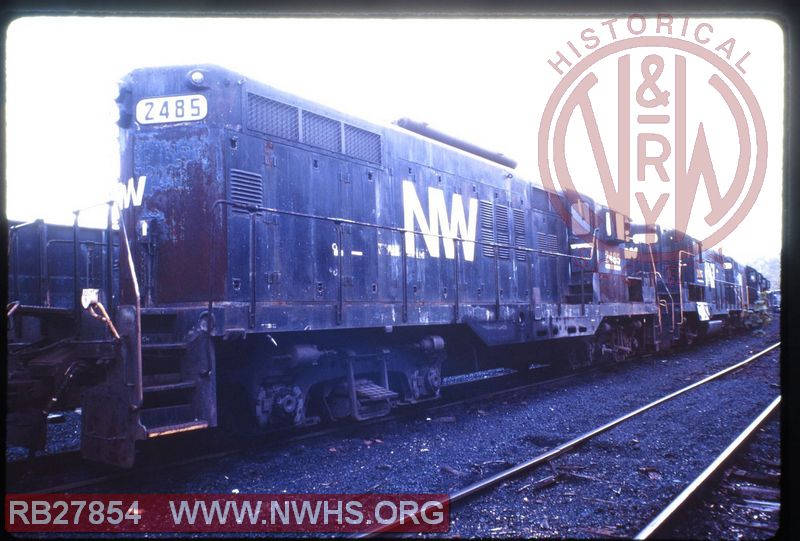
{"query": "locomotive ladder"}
pixel 161 382
pixel 178 386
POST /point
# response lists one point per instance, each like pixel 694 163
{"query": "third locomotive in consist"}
pixel 279 263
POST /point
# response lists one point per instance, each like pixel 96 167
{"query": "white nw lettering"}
pixel 456 225
pixel 133 195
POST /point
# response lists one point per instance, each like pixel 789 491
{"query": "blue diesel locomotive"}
pixel 278 263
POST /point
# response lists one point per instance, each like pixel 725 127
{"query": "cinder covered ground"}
pixel 611 487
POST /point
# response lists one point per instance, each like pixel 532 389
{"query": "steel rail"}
pixel 408 411
pixel 670 510
pixel 509 473
pixel 99 480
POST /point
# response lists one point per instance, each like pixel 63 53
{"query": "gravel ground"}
pixel 615 484
pixel 611 487
pixel 64 427
pixel 63 434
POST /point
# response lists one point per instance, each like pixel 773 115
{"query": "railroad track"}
pixel 765 503
pixel 22 475
pixel 484 485
pixel 70 460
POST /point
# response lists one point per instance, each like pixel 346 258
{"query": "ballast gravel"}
pixel 610 487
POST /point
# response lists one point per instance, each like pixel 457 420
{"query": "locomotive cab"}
pixel 683 289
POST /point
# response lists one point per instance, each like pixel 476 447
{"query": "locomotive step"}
pixel 170 387
pixel 44 311
pixel 158 418
pixel 371 391
pixel 172 346
pixel 52 355
pixel 175 429
pixel 163 378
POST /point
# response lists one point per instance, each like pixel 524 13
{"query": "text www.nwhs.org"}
pixel 241 512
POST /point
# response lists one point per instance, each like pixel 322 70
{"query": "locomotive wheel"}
pixel 247 408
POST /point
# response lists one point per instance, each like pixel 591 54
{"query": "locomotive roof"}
pixel 405 144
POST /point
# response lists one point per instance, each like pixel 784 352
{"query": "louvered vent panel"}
pixel 322 132
pixel 362 144
pixel 547 241
pixel 487 227
pixel 503 234
pixel 519 234
pixel 272 117
pixel 246 188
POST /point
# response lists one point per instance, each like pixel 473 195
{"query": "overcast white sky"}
pixel 486 81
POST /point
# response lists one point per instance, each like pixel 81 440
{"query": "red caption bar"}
pixel 226 512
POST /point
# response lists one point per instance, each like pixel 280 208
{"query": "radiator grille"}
pixel 362 144
pixel 275 118
pixel 246 188
pixel 272 117
pixel 322 132
pixel 487 226
pixel 519 234
pixel 547 241
pixel 503 234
